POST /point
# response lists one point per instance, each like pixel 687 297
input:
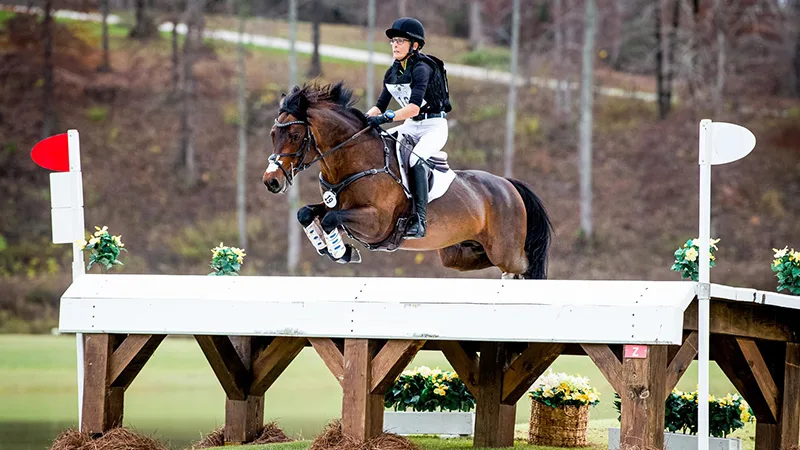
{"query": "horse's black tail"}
pixel 539 229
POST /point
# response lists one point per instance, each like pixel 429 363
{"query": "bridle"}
pixel 303 150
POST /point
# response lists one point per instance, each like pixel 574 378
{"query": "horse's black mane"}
pixel 335 97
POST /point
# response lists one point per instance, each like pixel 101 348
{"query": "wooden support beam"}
pixel 362 412
pixel 790 408
pixel 526 368
pixel 746 320
pixel 273 360
pixel 492 425
pixel 642 424
pixel 761 374
pixel 390 362
pixel 464 362
pixel 227 365
pixel 608 363
pixel 102 404
pixel 331 355
pixel 244 419
pixel 680 362
pixel 130 357
pixel 728 355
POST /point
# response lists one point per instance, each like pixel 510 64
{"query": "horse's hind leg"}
pixel 465 256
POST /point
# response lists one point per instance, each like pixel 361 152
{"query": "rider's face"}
pixel 400 47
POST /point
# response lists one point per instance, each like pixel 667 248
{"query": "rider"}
pixel 421 91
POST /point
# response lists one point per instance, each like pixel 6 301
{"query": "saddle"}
pixel 439 179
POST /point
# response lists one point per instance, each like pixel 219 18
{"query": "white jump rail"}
pixel 568 311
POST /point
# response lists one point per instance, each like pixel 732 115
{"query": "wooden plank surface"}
pixel 491 416
pixel 244 419
pixel 355 391
pixel 745 320
pixel 101 409
pixel 726 353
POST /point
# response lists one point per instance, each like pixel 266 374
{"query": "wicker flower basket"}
pixel 564 426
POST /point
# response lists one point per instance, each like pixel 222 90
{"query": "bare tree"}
pixel 144 28
pixel 402 8
pixel 719 88
pixel 476 35
pixel 795 25
pixel 48 89
pixel 511 110
pixel 186 152
pixel 315 67
pixel 176 76
pixel 105 66
pixel 241 203
pixel 585 151
pixel 660 89
pixel 558 36
pixel 293 197
pixel 371 50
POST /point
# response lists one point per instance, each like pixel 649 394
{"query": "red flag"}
pixel 52 153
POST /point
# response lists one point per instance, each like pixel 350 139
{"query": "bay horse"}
pixel 482 221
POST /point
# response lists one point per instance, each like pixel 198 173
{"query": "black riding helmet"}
pixel 409 28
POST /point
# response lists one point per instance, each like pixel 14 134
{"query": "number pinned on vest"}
pixel 329 198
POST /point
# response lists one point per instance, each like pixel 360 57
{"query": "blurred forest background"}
pixel 601 120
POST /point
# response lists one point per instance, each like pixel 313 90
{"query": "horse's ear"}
pixel 283 97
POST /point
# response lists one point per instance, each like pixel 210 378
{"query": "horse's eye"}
pixel 294 137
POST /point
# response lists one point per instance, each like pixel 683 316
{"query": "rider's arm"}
pixel 383 99
pixel 420 76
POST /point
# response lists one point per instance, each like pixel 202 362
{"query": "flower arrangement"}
pixel 787 268
pixel 727 414
pixel 104 249
pixel 686 258
pixel 423 389
pixel 226 260
pixel 560 389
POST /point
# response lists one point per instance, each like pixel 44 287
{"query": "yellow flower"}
pixel 94 240
pixel 82 243
pixel 239 259
pixel 777 262
pixel 745 416
pixel 691 255
pixel 794 256
pixel 780 253
pixel 440 391
pixel 100 231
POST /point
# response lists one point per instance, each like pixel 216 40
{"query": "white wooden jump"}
pixel 563 311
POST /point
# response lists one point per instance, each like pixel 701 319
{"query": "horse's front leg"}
pixel 307 216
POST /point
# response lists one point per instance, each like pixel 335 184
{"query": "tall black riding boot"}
pixel 419 189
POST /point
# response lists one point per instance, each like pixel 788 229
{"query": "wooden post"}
pixel 643 399
pixel 102 403
pixel 790 408
pixel 362 412
pixel 494 422
pixel 244 419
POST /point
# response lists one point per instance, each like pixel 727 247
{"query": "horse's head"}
pixel 302 119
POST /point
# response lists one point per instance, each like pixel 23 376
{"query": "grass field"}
pixel 176 397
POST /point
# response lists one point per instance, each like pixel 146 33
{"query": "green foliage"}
pixel 787 268
pixel 726 414
pixel 495 58
pixel 686 258
pixel 226 260
pixel 560 389
pixel 423 389
pixel 97 113
pixel 104 249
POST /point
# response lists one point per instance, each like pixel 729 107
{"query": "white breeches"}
pixel 430 134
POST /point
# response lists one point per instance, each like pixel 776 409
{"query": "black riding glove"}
pixel 377 121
